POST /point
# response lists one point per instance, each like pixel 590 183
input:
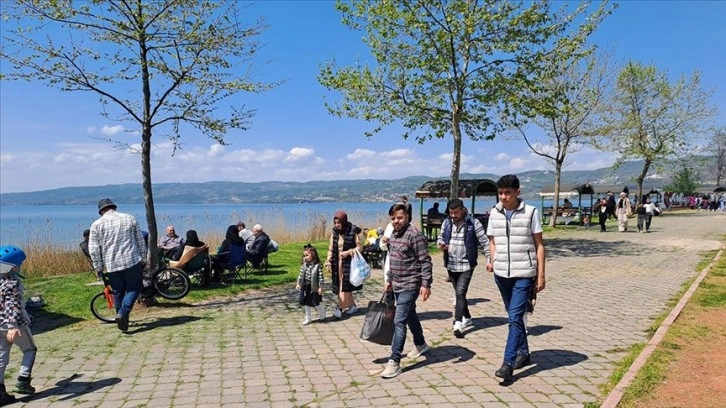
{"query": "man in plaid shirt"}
pixel 461 238
pixel 117 245
pixel 409 275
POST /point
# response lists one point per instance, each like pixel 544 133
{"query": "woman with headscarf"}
pixel 344 241
pixel 221 259
pixel 623 210
pixel 192 247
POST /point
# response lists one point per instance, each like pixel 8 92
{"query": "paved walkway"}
pixel 603 292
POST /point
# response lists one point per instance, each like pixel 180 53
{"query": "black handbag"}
pixel 378 324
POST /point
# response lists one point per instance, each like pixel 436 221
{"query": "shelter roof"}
pixel 467 188
pixel 711 189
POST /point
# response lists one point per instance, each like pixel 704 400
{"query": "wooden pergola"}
pixel 467 188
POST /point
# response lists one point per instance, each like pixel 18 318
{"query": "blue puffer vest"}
pixel 470 240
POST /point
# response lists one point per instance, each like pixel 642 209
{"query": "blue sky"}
pixel 48 138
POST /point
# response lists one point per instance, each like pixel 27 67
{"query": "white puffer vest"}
pixel 516 255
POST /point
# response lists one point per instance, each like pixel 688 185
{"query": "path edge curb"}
pixel 617 393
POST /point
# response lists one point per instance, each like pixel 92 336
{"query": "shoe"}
pixel 504 372
pixel 393 369
pixel 465 322
pixel 351 311
pixel 122 322
pixel 337 313
pixel 23 386
pixel 5 398
pixel 306 321
pixel 522 360
pixel 418 351
pixel 458 330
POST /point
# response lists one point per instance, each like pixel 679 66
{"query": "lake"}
pixel 63 225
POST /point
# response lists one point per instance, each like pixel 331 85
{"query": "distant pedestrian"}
pixel 623 211
pixel 118 247
pixel 410 276
pixel 640 212
pixel 14 324
pixel 649 211
pixel 409 207
pixel 310 283
pixel 518 262
pixel 611 206
pixel 602 213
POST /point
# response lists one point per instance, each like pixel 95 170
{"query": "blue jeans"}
pixel 127 284
pixel 515 294
pixel 460 282
pixel 405 315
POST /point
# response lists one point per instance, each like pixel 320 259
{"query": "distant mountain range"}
pixel 228 192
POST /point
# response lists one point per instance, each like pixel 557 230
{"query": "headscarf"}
pixel 193 240
pixel 233 237
pixel 343 218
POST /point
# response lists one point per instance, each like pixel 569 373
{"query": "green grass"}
pixel 710 294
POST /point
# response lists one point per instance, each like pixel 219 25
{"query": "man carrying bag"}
pixel 409 275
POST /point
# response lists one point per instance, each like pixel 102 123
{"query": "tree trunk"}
pixel 641 177
pixel 146 151
pixel 556 198
pixel 456 160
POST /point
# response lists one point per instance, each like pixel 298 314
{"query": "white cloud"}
pixel 112 130
pixel 361 154
pixel 297 154
pixel 517 163
pixel 502 157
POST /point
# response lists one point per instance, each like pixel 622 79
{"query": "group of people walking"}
pixel 512 245
pixel 607 207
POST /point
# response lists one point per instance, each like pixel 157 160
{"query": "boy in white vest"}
pixel 518 262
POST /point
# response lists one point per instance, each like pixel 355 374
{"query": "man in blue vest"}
pixel 461 239
pixel 518 263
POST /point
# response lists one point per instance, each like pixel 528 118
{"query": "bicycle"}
pixel 167 282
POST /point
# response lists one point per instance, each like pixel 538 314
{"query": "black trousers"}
pixel 602 217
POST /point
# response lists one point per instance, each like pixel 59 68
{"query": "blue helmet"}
pixel 10 256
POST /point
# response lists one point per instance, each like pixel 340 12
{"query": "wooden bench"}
pixel 374 258
pixel 431 227
pixel 564 216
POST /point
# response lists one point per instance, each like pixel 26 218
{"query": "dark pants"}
pixel 460 282
pixel 127 285
pixel 602 217
pixel 648 219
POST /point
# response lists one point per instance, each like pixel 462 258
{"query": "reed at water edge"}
pixel 48 256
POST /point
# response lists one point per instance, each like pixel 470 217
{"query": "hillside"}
pixel 369 190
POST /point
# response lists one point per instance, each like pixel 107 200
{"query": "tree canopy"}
pixel 165 66
pixel 446 67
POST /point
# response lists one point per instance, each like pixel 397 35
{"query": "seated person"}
pixel 246 235
pixel 169 244
pixel 191 248
pixel 84 243
pixel 259 247
pixel 374 246
pixel 567 205
pixel 220 260
pixel 371 236
pixel 434 212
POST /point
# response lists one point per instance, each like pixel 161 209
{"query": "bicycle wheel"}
pixel 172 283
pixel 101 310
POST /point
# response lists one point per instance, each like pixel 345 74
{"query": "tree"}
pixel 650 118
pixel 565 106
pixel 718 144
pixel 164 65
pixel 446 67
pixel 685 180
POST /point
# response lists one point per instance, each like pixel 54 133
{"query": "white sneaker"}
pixel 337 313
pixel 454 302
pixel 418 351
pixel 392 369
pixel 457 330
pixel 306 321
pixel 465 322
pixel 351 311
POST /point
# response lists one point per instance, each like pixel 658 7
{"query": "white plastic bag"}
pixel 360 271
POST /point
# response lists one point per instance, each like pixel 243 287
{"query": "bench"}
pixel 374 258
pixel 564 216
pixel 431 227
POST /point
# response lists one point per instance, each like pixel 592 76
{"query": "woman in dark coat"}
pixel 344 241
pixel 221 259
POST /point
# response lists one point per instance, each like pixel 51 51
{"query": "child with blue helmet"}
pixel 14 323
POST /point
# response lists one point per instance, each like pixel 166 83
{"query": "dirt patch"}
pixel 697 375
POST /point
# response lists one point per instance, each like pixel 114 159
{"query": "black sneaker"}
pixel 122 322
pixel 504 372
pixel 522 360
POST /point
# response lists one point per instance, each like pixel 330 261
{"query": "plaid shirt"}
pixel 116 242
pixel 458 261
pixel 409 260
pixel 12 309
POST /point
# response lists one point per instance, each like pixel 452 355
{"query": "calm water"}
pixel 63 224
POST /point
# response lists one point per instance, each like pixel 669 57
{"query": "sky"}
pixel 51 139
